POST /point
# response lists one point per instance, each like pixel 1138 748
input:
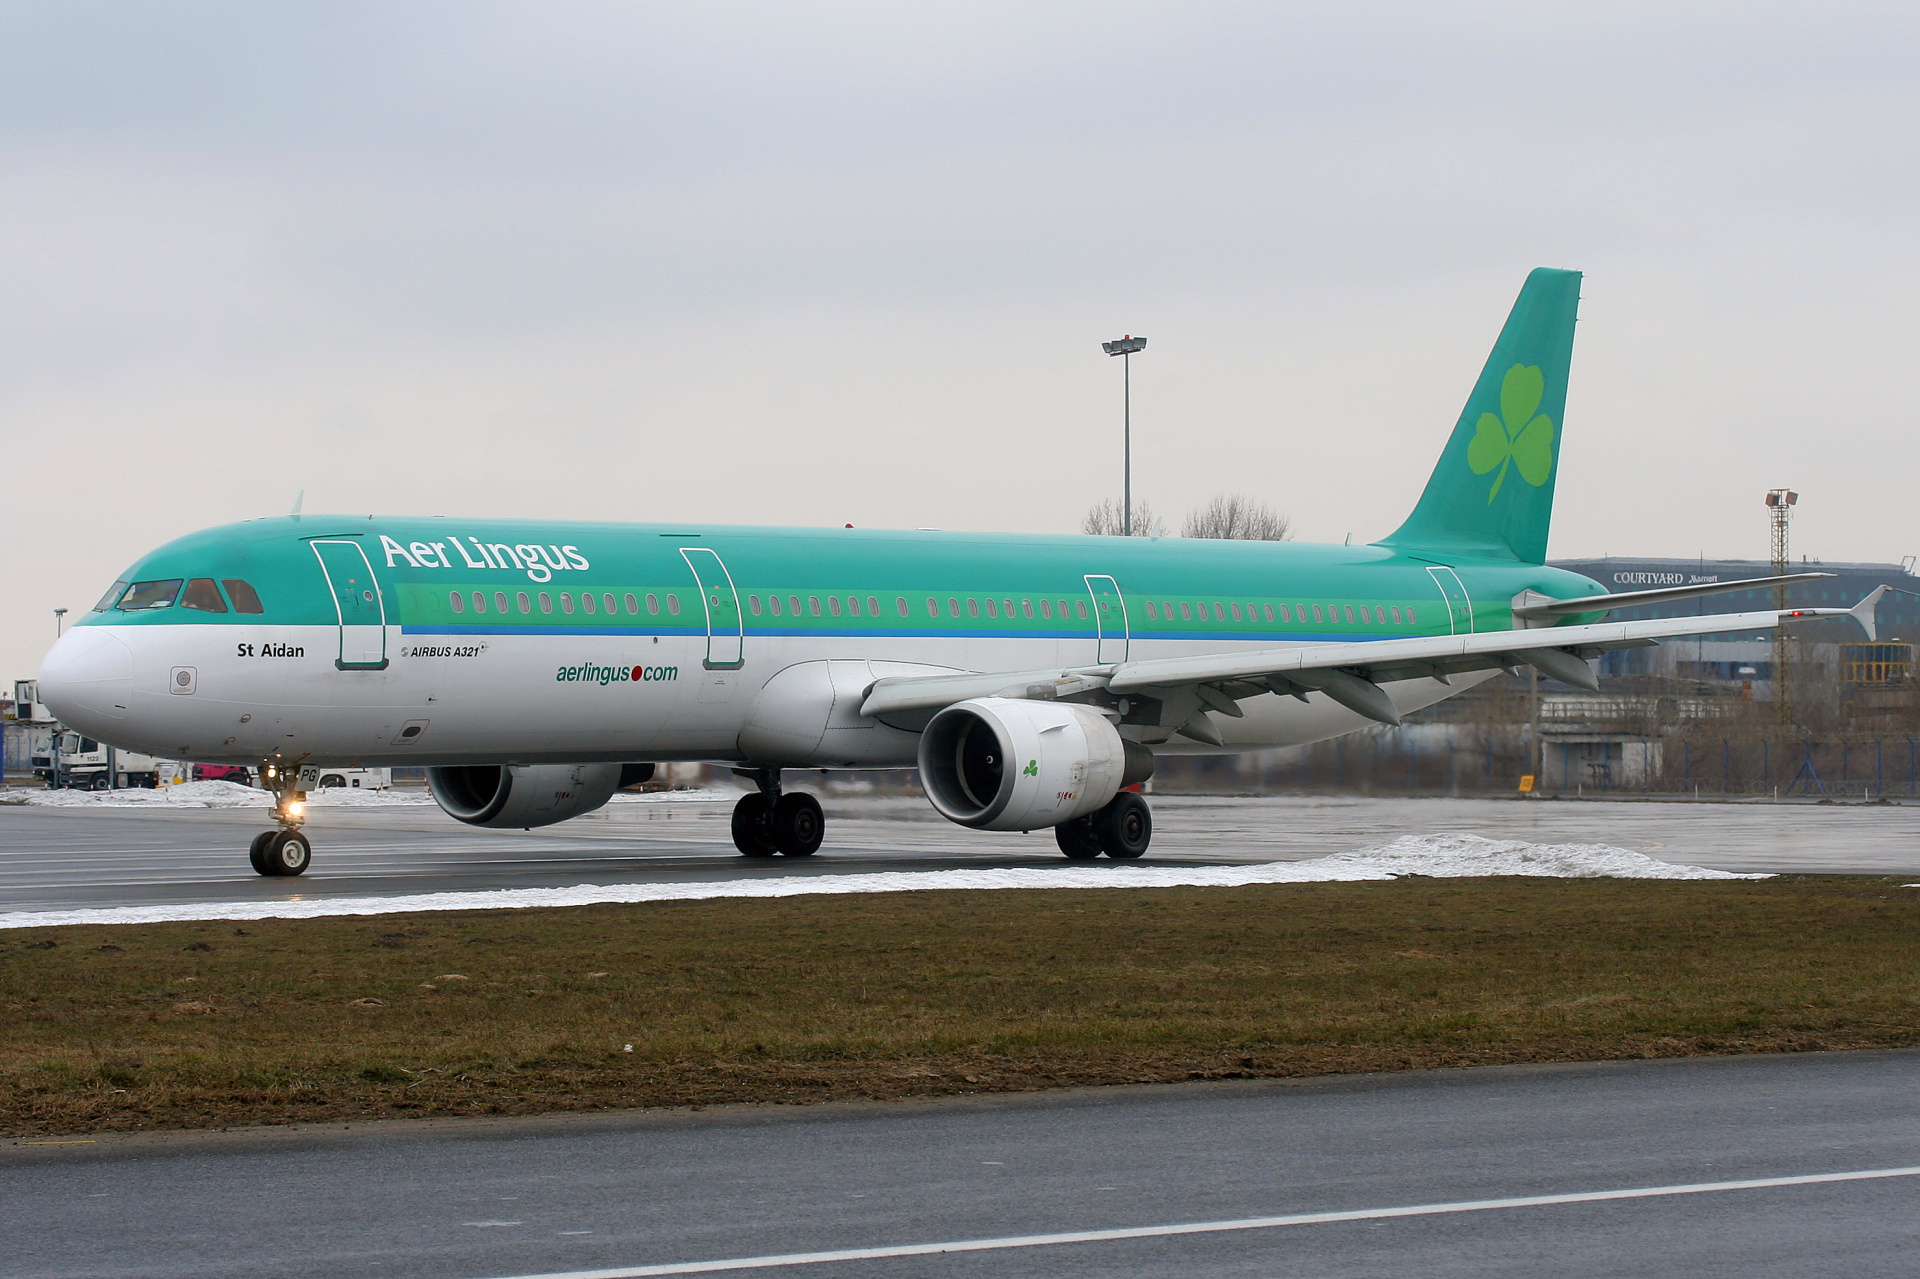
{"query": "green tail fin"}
pixel 1492 494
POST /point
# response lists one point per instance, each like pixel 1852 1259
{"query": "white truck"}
pixel 313 778
pixel 80 763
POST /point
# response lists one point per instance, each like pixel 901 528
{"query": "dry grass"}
pixel 811 998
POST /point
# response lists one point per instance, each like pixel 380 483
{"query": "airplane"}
pixel 533 668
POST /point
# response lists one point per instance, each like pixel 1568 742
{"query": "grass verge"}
pixel 891 995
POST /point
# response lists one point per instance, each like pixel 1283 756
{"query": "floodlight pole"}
pixel 1125 349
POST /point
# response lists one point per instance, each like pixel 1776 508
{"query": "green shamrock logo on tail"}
pixel 1518 437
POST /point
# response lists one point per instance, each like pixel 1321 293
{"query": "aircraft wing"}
pixel 1349 673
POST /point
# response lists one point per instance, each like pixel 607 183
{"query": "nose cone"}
pixel 86 680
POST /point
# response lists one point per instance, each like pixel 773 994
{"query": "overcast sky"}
pixel 851 263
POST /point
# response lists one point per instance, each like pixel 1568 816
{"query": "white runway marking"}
pixel 1444 856
pixel 1213 1227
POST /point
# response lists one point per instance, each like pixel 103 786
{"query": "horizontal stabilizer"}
pixel 1532 605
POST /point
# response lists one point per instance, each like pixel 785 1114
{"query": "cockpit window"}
pixel 107 601
pixel 202 594
pixel 147 595
pixel 245 598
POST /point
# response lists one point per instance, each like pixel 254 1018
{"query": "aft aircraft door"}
pixel 1459 607
pixel 1109 619
pixel 357 602
pixel 722 602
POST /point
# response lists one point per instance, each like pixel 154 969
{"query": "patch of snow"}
pixel 1441 856
pixel 218 795
pixel 702 795
pixel 1458 856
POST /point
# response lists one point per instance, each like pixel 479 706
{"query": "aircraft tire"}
pixel 1077 839
pixel 750 820
pixel 1124 826
pixel 287 853
pixel 257 851
pixel 798 825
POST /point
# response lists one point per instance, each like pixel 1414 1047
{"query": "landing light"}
pixel 295 809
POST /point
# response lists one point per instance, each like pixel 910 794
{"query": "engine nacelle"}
pixel 1001 763
pixel 518 796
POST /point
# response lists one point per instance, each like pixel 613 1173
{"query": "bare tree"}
pixel 1233 515
pixel 1103 520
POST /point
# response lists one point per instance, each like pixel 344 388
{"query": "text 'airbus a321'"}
pixel 532 667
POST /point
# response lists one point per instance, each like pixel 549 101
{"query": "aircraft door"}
pixel 1109 619
pixel 725 647
pixel 357 601
pixel 1459 607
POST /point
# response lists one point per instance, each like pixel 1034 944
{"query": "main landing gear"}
pixel 283 850
pixel 1122 830
pixel 767 823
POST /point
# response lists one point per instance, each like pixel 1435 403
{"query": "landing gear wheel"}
pixel 750 833
pixel 1124 826
pixel 798 824
pixel 1077 839
pixel 286 853
pixel 257 852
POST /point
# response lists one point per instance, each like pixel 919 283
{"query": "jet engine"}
pixel 1001 763
pixel 521 796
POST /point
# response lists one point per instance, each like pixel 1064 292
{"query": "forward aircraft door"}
pixel 722 602
pixel 1459 607
pixel 357 602
pixel 1109 619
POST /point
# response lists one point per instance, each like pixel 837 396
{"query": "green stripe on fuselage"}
pixel 870 567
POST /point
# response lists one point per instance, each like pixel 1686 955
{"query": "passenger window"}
pixel 479 601
pixel 673 604
pixel 1396 615
pixel 114 592
pixel 1270 612
pixel 546 602
pixel 1411 619
pixel 833 605
pixel 853 605
pixel 1151 615
pixel 753 604
pixel 607 602
pixel 773 605
pixel 586 601
pixel 566 602
pixel 202 594
pixel 1349 612
pixel 973 607
pixel 813 604
pixel 873 607
pixel 458 601
pixel 500 601
pixel 1186 612
pixel 1219 613
pixel 1026 608
pixel 526 605
pixel 990 609
pixel 1286 614
pixel 793 605
pixel 1006 606
pixel 148 595
pixel 933 607
pixel 633 605
pixel 1316 612
pixel 1080 609
pixel 900 602
pixel 1236 612
pixel 1046 609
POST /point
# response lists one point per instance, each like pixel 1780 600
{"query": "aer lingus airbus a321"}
pixel 533 667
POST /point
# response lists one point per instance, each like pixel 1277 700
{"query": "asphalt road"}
pixel 61 858
pixel 533 1197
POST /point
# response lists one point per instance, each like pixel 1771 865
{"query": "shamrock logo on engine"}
pixel 1519 437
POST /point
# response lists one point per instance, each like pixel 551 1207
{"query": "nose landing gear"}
pixel 283 850
pixel 767 823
